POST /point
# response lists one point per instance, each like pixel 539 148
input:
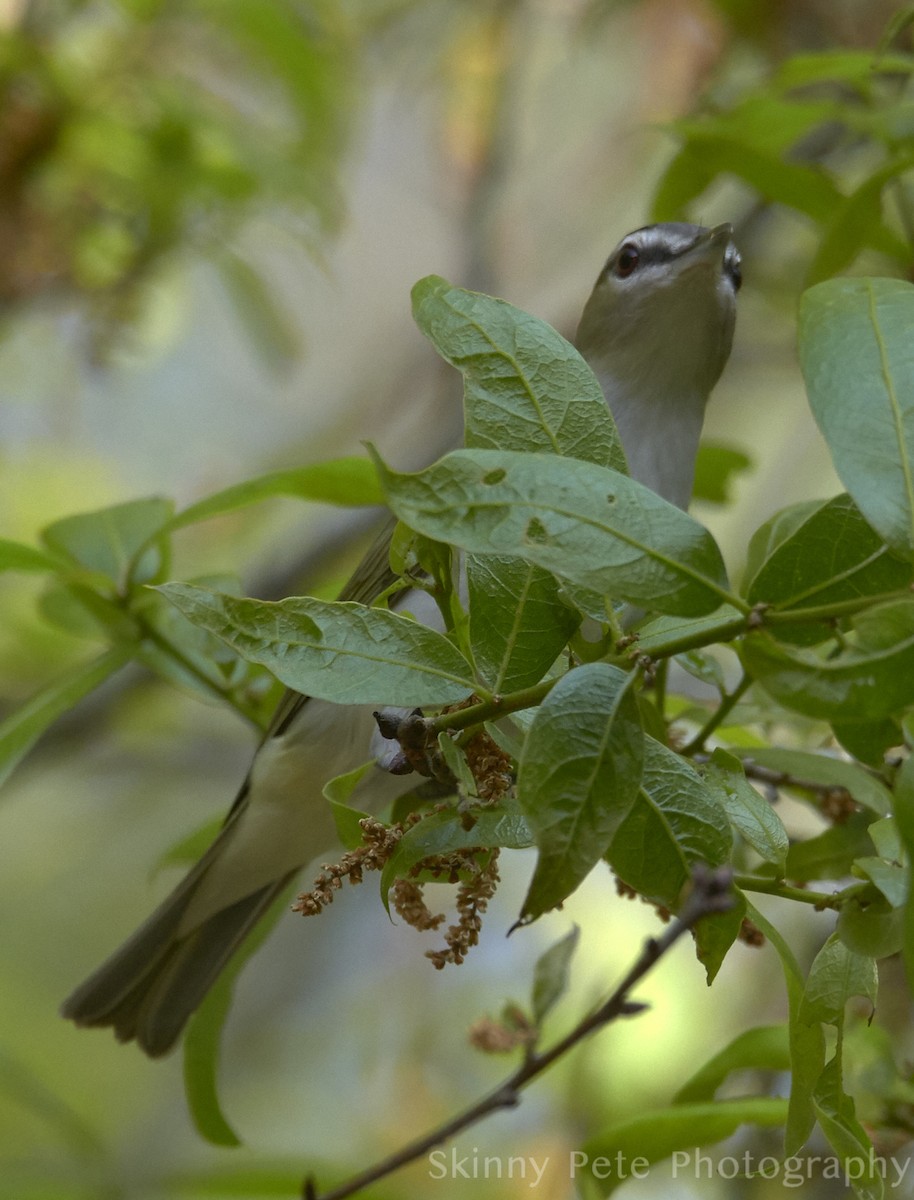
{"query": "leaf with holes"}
pixel 586 523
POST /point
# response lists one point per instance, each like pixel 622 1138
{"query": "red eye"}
pixel 627 261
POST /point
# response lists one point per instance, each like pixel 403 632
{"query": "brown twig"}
pixel 710 893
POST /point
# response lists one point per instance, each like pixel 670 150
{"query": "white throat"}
pixel 660 434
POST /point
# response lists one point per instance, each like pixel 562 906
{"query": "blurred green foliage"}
pixel 135 130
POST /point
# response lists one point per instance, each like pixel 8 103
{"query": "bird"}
pixel 656 331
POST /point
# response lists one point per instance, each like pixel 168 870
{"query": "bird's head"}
pixel 661 314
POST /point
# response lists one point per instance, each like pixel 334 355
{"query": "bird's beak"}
pixel 710 247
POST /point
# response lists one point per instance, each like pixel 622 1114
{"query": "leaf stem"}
pixel 149 633
pixel 829 612
pixel 777 887
pixel 727 703
pixel 497 706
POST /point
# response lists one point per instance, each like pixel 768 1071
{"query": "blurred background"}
pixel 211 216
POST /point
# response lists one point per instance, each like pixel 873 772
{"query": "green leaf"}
pixel 890 878
pixel 847 1137
pixel 897 24
pixel 903 809
pixel 588 524
pixel 716 468
pixel 518 621
pixel 577 777
pixel 764 1048
pixel 886 837
pixel 17 556
pixel 658 1134
pixel 855 356
pixel 685 177
pixel 831 556
pixel 204 1032
pixel 444 832
pixel 272 333
pixel 22 1087
pixel 83 612
pixel 712 152
pixel 525 385
pixel 855 67
pixel 830 854
pixel 868 741
pixel 716 933
pixel 337 792
pixel 550 976
pixel 763 120
pixel 333 650
pixel 771 533
pixel 109 539
pixel 807 1042
pixel 750 814
pixel 350 481
pixel 826 770
pixel 22 728
pixel 859 212
pixel 861 686
pixel 835 976
pixel 456 762
pixel 676 822
pixel 869 925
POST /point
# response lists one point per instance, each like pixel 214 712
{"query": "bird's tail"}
pixel 149 987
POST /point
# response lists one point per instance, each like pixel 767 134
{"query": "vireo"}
pixel 656 331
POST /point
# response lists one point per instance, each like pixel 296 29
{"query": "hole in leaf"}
pixel 536 531
pixel 611 498
pixel 495 476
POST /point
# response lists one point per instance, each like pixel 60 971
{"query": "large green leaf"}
pixel 586 523
pixel 204 1034
pixel 340 481
pixel 855 338
pixel 835 976
pixel 750 814
pixel 18 556
pixel 763 1048
pixel 858 213
pixel 676 822
pixel 853 67
pixel 869 681
pixel 518 621
pixel 837 1118
pixel 832 555
pixel 656 1135
pixel 807 1042
pixel 333 650
pixel 711 150
pixel 578 776
pixel 525 385
pixel 832 853
pixel 22 728
pixel 109 539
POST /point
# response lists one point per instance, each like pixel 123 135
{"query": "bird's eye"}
pixel 627 261
pixel 733 267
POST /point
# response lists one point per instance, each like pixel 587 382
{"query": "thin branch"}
pixel 727 704
pixel 710 893
pixel 834 792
